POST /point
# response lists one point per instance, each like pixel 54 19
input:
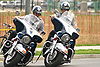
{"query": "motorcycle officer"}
pixel 69 17
pixel 34 19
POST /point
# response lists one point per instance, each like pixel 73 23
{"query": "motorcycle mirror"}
pixel 56 11
pixel 78 30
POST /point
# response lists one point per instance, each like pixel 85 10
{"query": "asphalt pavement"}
pixel 79 60
pixel 86 62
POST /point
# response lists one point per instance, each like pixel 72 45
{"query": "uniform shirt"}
pixel 35 21
pixel 69 17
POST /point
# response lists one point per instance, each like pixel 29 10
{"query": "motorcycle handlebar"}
pixel 8 26
pixel 3 37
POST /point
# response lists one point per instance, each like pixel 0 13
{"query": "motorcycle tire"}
pixel 13 61
pixel 54 62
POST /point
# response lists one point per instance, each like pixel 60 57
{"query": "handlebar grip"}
pixel 7 25
pixel 4 24
pixel 3 37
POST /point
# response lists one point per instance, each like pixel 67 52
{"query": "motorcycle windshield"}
pixel 19 25
pixel 61 25
pixel 25 27
pixel 58 26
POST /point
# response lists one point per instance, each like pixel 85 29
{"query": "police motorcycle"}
pixel 19 50
pixel 57 50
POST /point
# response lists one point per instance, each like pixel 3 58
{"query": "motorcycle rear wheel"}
pixel 55 61
pixel 12 60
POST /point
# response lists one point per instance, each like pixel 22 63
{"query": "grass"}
pixel 37 53
pixel 88 45
pixel 88 51
pixel 40 45
pixel 81 51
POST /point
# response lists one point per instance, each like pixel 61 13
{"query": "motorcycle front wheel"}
pixel 12 60
pixel 53 60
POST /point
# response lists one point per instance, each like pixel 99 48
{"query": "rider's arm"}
pixel 74 23
pixel 27 18
pixel 40 27
pixel 21 17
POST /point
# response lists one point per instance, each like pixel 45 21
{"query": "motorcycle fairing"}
pixel 26 27
pixel 64 27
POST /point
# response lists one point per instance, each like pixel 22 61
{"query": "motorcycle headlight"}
pixel 65 38
pixel 25 39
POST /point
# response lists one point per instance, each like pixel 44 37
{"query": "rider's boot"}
pixel 70 55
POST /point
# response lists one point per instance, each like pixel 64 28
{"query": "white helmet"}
pixel 64 6
pixel 37 9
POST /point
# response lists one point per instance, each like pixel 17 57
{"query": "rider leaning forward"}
pixel 34 19
pixel 69 17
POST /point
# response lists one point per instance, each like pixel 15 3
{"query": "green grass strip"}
pixel 81 51
pixel 88 51
pixel 88 45
pixel 40 45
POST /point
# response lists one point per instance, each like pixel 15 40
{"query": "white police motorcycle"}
pixel 19 50
pixel 56 52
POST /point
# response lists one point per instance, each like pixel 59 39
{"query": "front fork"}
pixel 53 46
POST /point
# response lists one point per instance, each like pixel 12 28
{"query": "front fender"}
pixel 61 48
pixel 47 51
pixel 20 49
